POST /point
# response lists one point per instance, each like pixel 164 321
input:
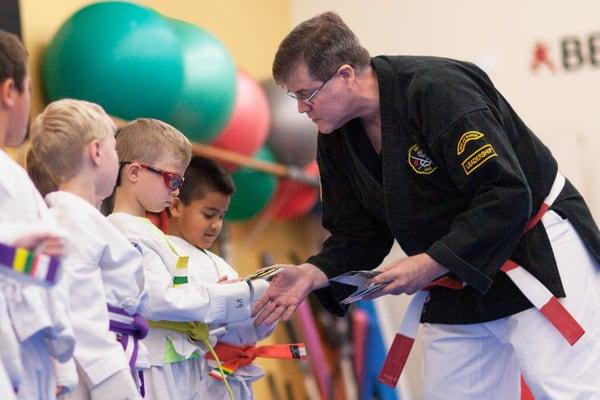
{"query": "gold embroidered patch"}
pixel 466 138
pixel 478 158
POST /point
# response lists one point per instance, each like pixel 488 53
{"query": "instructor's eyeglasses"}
pixel 308 99
pixel 173 181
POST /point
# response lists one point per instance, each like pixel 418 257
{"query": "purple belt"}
pixel 125 326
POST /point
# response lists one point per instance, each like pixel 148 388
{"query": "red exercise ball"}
pixel 293 199
pixel 248 126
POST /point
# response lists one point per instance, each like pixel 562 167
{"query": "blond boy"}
pixel 154 157
pixel 73 145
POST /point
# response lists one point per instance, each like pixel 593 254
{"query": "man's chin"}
pixel 324 128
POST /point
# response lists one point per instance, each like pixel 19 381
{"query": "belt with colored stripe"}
pixel 234 357
pixel 128 326
pixel 196 331
pixel 36 268
pixel 551 308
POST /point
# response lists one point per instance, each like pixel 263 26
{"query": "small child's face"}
pixel 201 221
pixel 108 167
pixel 152 191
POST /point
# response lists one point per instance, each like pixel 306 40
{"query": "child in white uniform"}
pixel 154 156
pixel 26 259
pixel 195 222
pixel 38 316
pixel 102 269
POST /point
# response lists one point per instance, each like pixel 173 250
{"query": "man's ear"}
pixel 347 72
pixel 175 208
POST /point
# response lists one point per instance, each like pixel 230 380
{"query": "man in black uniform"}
pixel 426 151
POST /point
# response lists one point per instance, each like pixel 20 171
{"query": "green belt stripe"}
pixel 180 280
pixel 29 262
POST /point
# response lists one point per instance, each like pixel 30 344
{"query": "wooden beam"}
pixel 280 170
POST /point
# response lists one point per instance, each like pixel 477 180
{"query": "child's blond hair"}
pixel 39 174
pixel 61 132
pixel 148 140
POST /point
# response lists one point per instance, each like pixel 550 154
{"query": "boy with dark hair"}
pixel 195 222
pixel 38 316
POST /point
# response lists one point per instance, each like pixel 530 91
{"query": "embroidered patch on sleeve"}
pixel 419 161
pixel 478 158
pixel 466 138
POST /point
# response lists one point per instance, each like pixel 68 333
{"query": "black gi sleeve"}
pixel 358 240
pixel 479 159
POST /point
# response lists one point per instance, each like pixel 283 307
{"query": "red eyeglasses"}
pixel 173 181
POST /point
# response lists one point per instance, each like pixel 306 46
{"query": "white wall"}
pixel 562 107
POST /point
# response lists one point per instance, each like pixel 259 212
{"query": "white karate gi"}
pixel 100 266
pixel 38 315
pixel 207 267
pixel 492 355
pixel 194 301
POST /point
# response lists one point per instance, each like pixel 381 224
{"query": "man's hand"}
pixel 408 275
pixel 286 291
pixel 42 242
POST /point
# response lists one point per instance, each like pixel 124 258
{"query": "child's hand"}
pixel 42 242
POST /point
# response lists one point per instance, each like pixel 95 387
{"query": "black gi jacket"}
pixel 458 177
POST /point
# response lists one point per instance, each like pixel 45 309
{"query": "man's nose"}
pixel 303 106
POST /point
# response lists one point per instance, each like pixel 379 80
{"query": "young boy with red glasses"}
pixel 154 157
pixel 102 270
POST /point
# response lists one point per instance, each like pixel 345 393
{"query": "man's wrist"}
pixel 317 277
pixel 436 269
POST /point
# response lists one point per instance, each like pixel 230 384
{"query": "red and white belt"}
pixel 528 284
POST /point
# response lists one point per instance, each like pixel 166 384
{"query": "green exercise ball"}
pixel 136 62
pixel 207 70
pixel 253 189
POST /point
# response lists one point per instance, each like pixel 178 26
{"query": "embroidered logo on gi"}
pixel 466 138
pixel 478 158
pixel 419 161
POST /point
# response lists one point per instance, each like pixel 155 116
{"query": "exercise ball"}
pixel 293 199
pixel 253 189
pixel 292 136
pixel 135 62
pixel 248 126
pixel 206 101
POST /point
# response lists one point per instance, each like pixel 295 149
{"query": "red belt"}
pixel 234 357
pixel 529 285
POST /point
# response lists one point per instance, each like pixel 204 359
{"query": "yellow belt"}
pixel 196 331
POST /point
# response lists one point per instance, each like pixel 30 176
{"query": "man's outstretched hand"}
pixel 286 291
